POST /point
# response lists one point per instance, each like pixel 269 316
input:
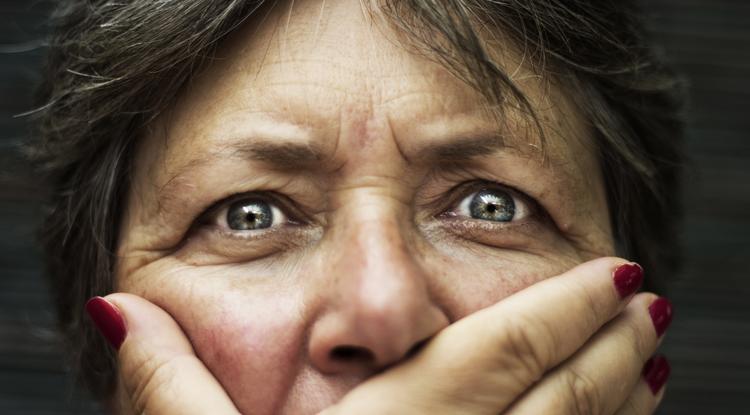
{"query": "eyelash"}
pixel 465 189
pixel 281 202
pixel 445 209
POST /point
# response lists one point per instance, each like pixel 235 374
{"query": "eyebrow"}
pixel 295 156
pixel 463 149
pixel 287 156
pixel 292 156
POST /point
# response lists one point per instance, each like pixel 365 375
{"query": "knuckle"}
pixel 148 379
pixel 528 343
pixel 583 393
pixel 592 308
pixel 631 407
pixel 637 342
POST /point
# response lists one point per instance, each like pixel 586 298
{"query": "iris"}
pixel 249 215
pixel 494 205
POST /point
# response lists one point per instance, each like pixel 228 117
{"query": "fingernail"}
pixel 656 372
pixel 108 320
pixel 628 278
pixel 661 314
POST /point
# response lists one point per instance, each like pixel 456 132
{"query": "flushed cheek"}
pixel 249 337
pixel 253 346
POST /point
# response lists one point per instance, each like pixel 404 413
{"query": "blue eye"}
pixel 252 214
pixel 492 205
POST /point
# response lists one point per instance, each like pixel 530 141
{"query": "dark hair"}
pixel 114 66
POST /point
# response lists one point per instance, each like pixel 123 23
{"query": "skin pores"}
pixel 367 156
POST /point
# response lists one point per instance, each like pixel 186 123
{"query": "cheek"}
pixel 250 337
pixel 470 281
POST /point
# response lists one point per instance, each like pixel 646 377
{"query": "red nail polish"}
pixel 628 279
pixel 656 372
pixel 661 314
pixel 108 320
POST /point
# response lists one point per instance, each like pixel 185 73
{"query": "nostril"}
pixel 352 354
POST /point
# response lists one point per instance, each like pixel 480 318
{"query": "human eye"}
pixel 251 213
pixel 491 214
pixel 490 204
pixel 246 227
pixel 495 205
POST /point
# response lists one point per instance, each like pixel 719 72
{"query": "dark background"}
pixel 708 344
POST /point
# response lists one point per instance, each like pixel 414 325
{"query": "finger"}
pixel 514 342
pixel 604 372
pixel 159 370
pixel 484 362
pixel 649 392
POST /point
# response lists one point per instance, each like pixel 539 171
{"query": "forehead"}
pixel 308 70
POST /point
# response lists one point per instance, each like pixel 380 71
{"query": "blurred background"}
pixel 708 343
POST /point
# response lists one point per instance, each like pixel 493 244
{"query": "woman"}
pixel 348 207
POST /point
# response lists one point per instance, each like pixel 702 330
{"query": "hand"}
pixel 567 345
pixel 158 368
pixel 572 344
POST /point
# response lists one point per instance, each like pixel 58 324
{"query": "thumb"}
pixel 159 370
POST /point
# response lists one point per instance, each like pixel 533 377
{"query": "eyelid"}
pixel 211 215
pixel 459 192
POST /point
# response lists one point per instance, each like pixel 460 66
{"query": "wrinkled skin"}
pixel 377 254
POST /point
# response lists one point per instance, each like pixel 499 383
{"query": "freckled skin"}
pixel 378 272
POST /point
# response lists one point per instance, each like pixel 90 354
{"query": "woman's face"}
pixel 319 201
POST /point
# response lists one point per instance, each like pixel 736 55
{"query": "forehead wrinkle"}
pixel 311 109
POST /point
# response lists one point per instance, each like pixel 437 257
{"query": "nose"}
pixel 379 309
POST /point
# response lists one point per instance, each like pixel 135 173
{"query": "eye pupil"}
pixel 249 215
pixel 494 205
